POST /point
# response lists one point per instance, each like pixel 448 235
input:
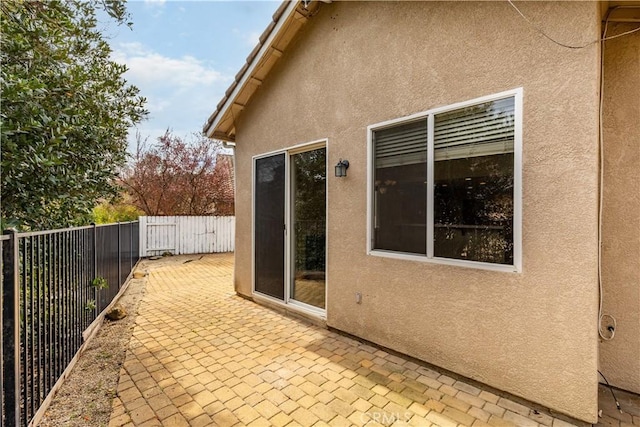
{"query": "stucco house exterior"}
pixel 477 222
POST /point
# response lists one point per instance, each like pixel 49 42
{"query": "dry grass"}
pixel 86 395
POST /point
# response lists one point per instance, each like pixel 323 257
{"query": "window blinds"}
pixel 401 145
pixel 480 130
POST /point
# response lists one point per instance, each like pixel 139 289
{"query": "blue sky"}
pixel 183 55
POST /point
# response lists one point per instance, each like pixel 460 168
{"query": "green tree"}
pixel 66 111
pixel 117 210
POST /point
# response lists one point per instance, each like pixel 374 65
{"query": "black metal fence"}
pixel 54 285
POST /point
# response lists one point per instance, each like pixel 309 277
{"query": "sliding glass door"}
pixel 269 225
pixel 290 226
pixel 309 218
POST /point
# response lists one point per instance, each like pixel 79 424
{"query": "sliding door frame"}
pixel 288 235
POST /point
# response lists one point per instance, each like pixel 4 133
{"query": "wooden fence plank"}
pixel 186 234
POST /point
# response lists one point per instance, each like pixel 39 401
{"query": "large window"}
pixel 446 184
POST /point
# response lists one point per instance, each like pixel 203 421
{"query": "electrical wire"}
pixel 615 399
pixel 568 46
pixel 621 34
pixel 612 328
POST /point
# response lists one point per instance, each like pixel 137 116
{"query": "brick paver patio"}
pixel 202 356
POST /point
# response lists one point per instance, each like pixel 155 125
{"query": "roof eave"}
pixel 221 124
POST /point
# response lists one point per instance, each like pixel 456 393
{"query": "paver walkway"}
pixel 200 356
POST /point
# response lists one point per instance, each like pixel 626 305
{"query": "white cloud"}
pixel 157 105
pixel 155 3
pixel 252 38
pixel 131 48
pixel 151 67
pixel 181 92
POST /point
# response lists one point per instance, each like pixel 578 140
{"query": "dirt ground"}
pixel 86 396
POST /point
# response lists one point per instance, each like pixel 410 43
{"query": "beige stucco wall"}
pixel 620 357
pixel 531 334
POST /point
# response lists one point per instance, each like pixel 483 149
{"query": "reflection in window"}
pixel 308 193
pixel 473 188
pixel 400 188
pixel 473 209
pixel 473 194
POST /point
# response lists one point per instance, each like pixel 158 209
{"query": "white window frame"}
pixel 516 267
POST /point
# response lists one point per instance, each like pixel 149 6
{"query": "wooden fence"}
pixel 186 234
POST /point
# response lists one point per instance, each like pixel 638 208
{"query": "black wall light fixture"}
pixel 341 168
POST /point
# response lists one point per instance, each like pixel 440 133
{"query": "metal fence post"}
pixel 130 246
pixel 119 259
pixel 95 267
pixel 11 328
pixel 1 341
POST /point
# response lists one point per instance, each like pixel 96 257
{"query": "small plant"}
pixel 100 283
pixel 104 355
pixel 90 305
